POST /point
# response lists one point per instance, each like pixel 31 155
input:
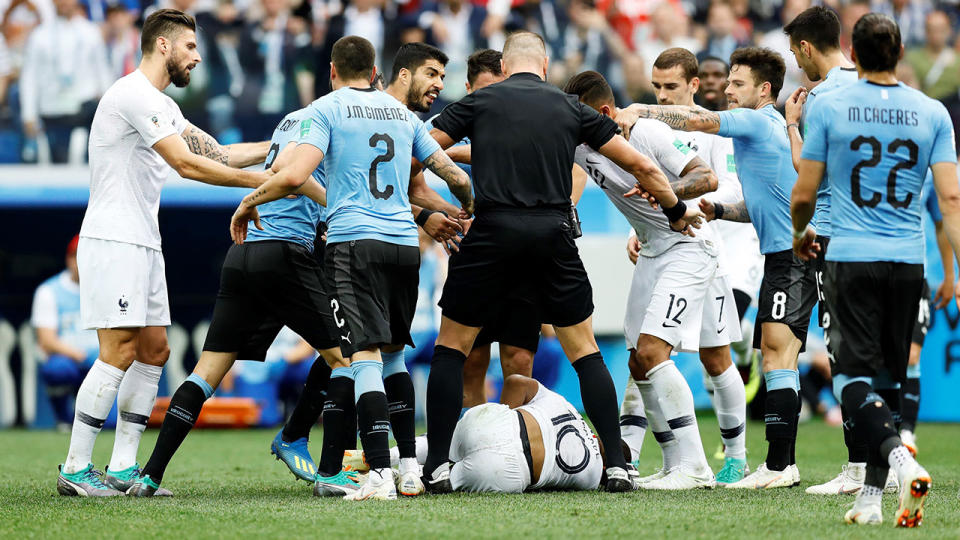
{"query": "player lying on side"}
pixel 533 439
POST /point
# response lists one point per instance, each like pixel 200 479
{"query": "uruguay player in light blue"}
pixel 877 138
pixel 366 140
pixel 788 291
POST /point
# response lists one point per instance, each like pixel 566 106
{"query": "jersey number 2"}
pixel 873 161
pixel 382 158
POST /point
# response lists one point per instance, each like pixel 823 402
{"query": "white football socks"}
pixel 658 425
pixel 676 402
pixel 730 403
pixel 633 420
pixel 898 459
pixel 94 401
pixel 135 399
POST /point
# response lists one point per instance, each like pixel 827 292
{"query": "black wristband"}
pixel 717 211
pixel 423 216
pixel 675 212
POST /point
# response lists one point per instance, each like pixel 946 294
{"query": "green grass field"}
pixel 227 485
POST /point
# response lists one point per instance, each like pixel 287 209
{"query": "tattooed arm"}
pixel 173 149
pixel 696 179
pixel 458 181
pixel 676 116
pixel 233 155
pixel 726 211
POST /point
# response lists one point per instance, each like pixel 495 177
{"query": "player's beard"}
pixel 415 99
pixel 179 76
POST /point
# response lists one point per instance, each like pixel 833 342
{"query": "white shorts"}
pixel 487 452
pixel 667 296
pixel 744 263
pixel 121 285
pixel 721 322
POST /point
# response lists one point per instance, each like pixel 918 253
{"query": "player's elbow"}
pixel 950 203
pixel 712 181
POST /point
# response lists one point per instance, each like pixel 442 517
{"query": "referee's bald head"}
pixel 524 51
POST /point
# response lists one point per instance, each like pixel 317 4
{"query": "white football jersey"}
pixel 735 239
pixel 655 140
pixel 572 457
pixel 126 173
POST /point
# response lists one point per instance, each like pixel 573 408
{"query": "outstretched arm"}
pixel 676 116
pixel 725 211
pixel 233 155
pixel 173 149
pixel 458 181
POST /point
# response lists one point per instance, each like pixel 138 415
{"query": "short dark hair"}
pixel 483 61
pixel 411 56
pixel 726 67
pixel 353 58
pixel 164 22
pixel 678 56
pixel 765 65
pixel 818 26
pixel 876 42
pixel 591 88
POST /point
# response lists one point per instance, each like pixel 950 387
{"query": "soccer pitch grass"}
pixel 228 485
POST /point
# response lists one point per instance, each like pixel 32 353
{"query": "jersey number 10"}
pixel 873 161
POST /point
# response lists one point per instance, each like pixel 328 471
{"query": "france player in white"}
pixel 788 290
pixel 674 78
pixel 676 300
pixel 877 139
pixel 366 140
pixel 137 135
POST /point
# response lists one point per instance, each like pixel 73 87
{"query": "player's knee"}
pixel 716 360
pixel 516 361
pixel 915 351
pixel 334 358
pixel 156 354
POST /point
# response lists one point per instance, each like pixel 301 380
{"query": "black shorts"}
pixel 819 266
pixel 265 286
pixel 873 312
pixel 515 324
pixel 788 293
pixel 373 293
pixel 517 251
pixel 923 316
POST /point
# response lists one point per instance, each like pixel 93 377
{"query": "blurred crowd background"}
pixel 263 58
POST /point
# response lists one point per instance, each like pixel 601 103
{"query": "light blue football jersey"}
pixel 877 142
pixel 368 139
pixel 761 152
pixel 294 218
pixel 837 77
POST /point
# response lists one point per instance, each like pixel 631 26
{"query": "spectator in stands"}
pixel 454 26
pixel 69 349
pixel 122 40
pixel 269 49
pixel 937 65
pixel 64 73
pixel 777 40
pixel 669 27
pixel 909 16
pixel 722 29
pixel 592 44
pixel 850 13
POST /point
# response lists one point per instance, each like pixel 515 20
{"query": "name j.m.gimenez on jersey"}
pixel 376 113
pixel 879 115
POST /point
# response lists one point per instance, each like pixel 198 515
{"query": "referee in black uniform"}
pixel 523 133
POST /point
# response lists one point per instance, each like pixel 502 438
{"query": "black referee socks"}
pixel 182 413
pixel 599 397
pixel 444 400
pixel 310 405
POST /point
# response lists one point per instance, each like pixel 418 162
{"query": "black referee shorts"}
pixel 873 313
pixel 517 251
pixel 515 324
pixel 373 293
pixel 922 325
pixel 265 286
pixel 788 293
